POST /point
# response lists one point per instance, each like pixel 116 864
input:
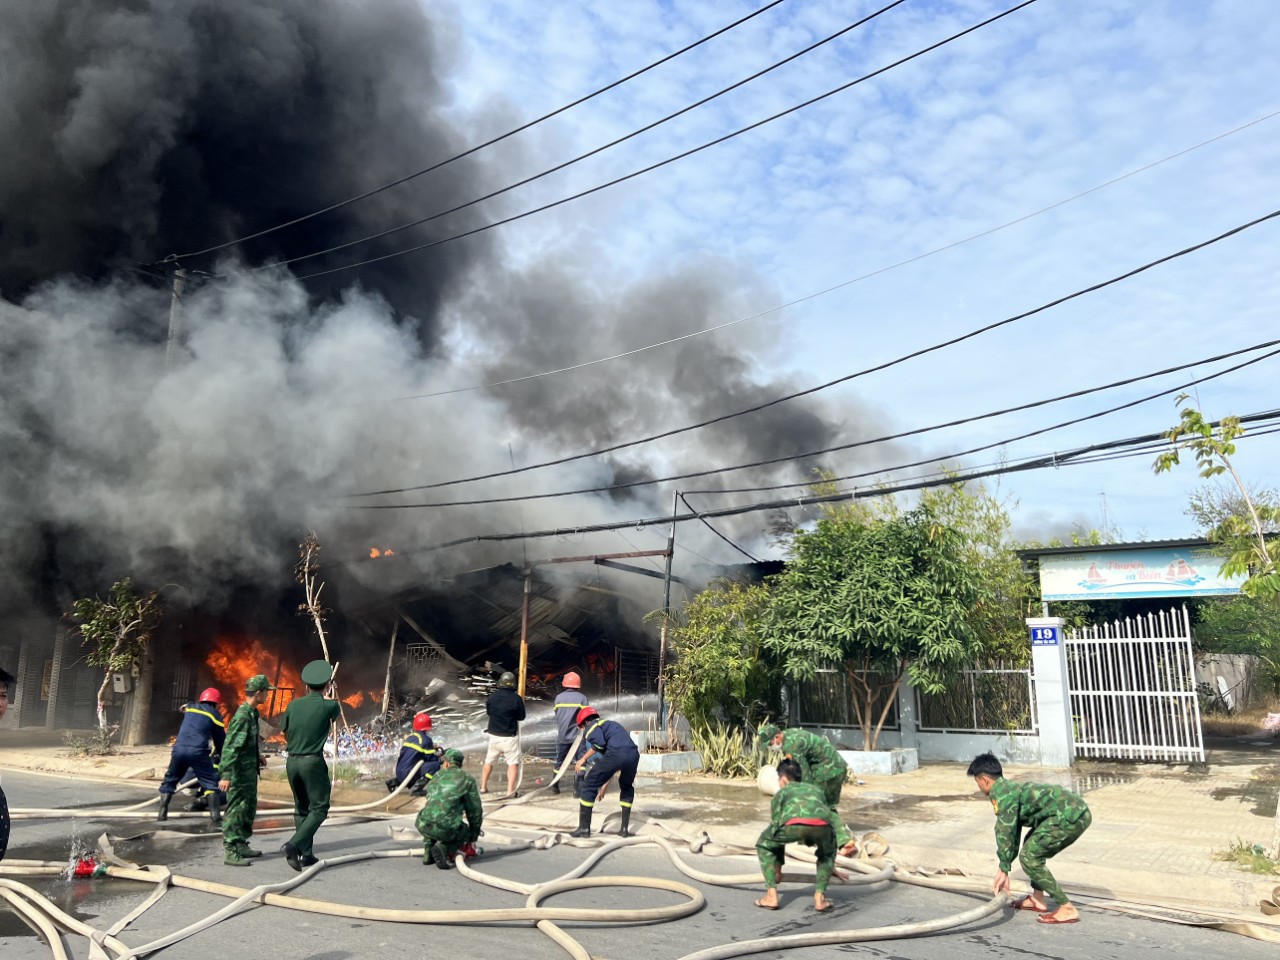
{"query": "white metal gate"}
pixel 1133 689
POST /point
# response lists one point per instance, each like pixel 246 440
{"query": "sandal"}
pixel 1052 918
pixel 767 906
pixel 1026 904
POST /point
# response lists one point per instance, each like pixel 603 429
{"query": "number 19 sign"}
pixel 1044 636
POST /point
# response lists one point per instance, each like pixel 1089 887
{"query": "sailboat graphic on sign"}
pixel 1182 573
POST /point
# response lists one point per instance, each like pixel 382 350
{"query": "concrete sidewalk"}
pixel 1157 829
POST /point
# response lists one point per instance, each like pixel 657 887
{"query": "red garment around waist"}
pixel 806 822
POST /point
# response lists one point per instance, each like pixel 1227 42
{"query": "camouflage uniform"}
pixel 451 793
pixel 800 801
pixel 1057 818
pixel 820 763
pixel 240 766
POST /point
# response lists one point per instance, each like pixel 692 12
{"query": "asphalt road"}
pixel 405 883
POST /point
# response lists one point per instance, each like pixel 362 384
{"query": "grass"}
pixel 1238 724
pixel 1252 857
pixel 96 744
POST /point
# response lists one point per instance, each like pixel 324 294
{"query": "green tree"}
pixel 1243 531
pixel 116 631
pixel 1246 625
pixel 720 673
pixel 880 599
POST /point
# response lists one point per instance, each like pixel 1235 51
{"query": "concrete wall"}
pixel 937 747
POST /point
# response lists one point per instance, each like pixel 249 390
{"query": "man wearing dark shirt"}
pixel 505 709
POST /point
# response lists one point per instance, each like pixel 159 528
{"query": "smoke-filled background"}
pixel 132 131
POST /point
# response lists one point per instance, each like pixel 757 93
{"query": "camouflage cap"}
pixel 453 757
pixel 767 732
pixel 257 683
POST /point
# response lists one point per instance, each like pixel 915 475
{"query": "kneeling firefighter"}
pixel 417 746
pixel 610 750
pixel 202 726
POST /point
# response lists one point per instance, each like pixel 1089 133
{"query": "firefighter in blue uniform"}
pixel 202 726
pixel 417 746
pixel 610 750
pixel 568 703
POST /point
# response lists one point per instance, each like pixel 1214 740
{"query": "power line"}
pixel 1056 460
pixel 846 283
pixel 613 488
pixel 707 524
pixel 481 146
pixel 831 383
pixel 662 163
pixel 593 152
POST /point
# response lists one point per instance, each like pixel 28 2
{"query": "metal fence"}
pixel 825 700
pixel 994 699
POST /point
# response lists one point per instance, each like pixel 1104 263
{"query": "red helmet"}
pixel 211 695
pixel 421 722
pixel 585 714
pixel 572 681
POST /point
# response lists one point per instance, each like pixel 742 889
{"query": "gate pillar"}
pixel 1053 697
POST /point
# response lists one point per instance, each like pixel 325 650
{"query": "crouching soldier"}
pixel 617 753
pixel 239 770
pixel 820 762
pixel 417 746
pixel 452 815
pixel 800 813
pixel 202 725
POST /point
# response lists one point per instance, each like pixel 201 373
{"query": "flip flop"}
pixel 767 906
pixel 1052 918
pixel 1026 904
pixel 830 906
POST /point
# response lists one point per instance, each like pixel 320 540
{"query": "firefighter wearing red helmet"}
pixel 567 705
pixel 417 746
pixel 617 753
pixel 202 727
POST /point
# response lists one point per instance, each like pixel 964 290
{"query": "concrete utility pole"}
pixel 666 612
pixel 524 629
pixel 175 315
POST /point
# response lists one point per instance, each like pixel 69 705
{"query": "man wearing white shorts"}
pixel 505 709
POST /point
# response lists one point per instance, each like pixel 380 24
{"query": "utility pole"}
pixel 175 315
pixel 524 629
pixel 666 612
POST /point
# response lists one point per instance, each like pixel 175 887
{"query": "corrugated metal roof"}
pixel 1110 547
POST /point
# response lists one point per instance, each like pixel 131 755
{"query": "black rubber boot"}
pixel 626 821
pixel 555 787
pixel 163 812
pixel 440 856
pixel 392 783
pixel 215 809
pixel 584 822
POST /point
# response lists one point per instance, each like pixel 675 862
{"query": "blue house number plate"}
pixel 1044 636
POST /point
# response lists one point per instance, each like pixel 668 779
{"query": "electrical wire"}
pixel 707 524
pixel 846 283
pixel 481 146
pixel 590 153
pixel 670 160
pixel 1055 460
pixel 916 431
pixel 844 379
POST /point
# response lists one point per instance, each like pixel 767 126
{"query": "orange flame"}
pixel 354 700
pixel 375 553
pixel 234 660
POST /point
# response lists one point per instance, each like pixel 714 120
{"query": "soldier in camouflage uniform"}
pixel 820 762
pixel 1056 818
pixel 239 770
pixel 451 795
pixel 800 814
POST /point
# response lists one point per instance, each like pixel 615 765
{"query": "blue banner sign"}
pixel 1163 572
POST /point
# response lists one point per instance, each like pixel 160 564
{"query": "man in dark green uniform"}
pixel 800 813
pixel 1057 817
pixel 306 724
pixel 820 762
pixel 451 795
pixel 239 769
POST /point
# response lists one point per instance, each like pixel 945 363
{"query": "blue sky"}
pixel 1042 105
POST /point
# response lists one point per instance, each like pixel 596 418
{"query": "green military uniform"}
pixel 819 761
pixel 240 764
pixel 1056 818
pixel 306 724
pixel 801 801
pixel 451 795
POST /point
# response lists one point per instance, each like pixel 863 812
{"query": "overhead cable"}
pixel 871 441
pixel 831 383
pixel 844 283
pixel 662 163
pixel 480 146
pixel 707 524
pixel 1055 460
